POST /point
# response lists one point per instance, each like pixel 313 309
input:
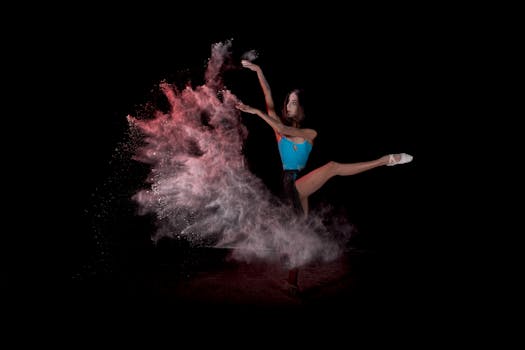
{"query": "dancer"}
pixel 295 144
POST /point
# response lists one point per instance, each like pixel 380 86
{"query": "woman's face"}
pixel 292 106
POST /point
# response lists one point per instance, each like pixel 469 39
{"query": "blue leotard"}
pixel 294 155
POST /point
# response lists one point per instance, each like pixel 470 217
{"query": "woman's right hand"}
pixel 249 65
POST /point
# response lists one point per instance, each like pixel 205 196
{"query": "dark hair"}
pixel 300 99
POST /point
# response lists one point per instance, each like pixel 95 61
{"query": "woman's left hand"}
pixel 245 108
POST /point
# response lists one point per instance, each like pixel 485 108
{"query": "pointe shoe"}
pixel 405 158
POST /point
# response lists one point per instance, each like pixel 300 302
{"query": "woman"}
pixel 295 144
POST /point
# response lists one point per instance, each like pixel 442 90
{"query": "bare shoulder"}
pixel 310 134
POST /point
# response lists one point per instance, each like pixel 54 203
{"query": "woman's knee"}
pixel 332 167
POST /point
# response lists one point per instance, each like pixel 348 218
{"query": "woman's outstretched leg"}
pixel 314 180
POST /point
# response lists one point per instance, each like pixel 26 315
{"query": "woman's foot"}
pixel 291 289
pixel 400 158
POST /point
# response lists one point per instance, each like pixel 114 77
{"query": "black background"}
pixel 374 80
